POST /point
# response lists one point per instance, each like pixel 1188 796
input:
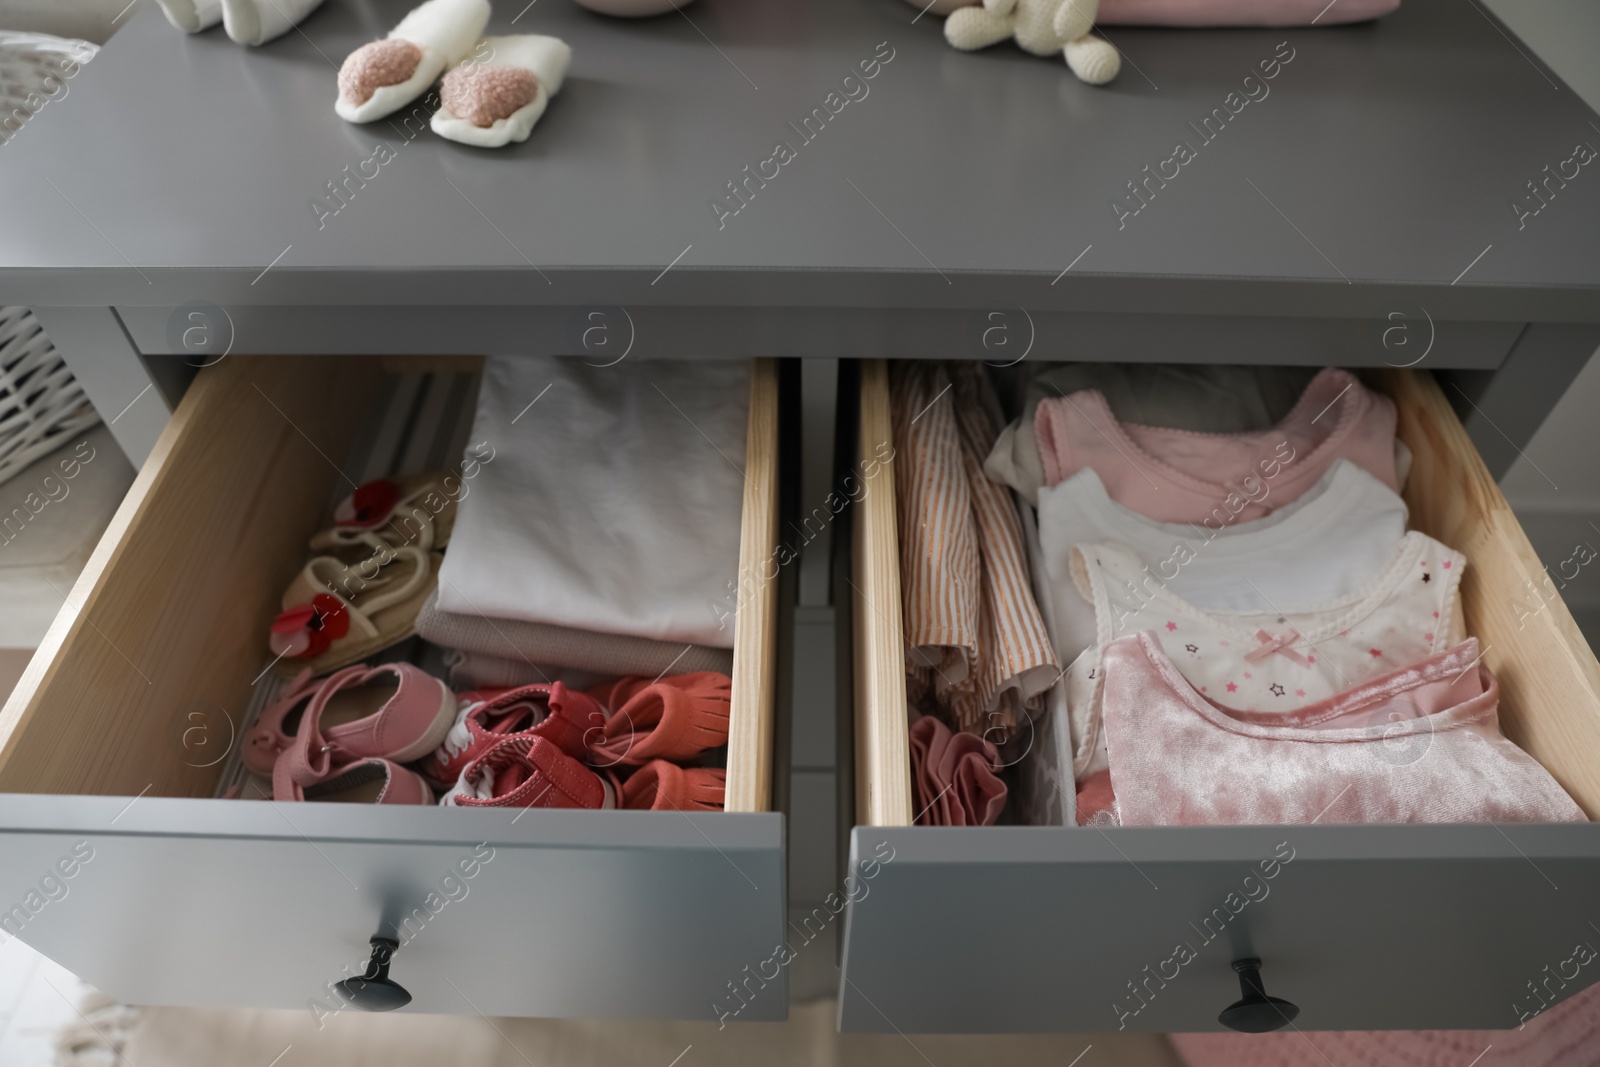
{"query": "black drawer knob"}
pixel 375 990
pixel 1255 1012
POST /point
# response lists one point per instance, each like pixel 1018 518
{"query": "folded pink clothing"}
pixel 1240 12
pixel 1184 476
pixel 1566 1035
pixel 1420 744
pixel 953 779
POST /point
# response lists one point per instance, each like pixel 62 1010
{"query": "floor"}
pixel 37 997
pixel 200 1039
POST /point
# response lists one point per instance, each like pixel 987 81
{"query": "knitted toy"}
pixel 1042 27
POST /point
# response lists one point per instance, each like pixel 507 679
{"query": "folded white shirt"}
pixel 612 500
pixel 1320 547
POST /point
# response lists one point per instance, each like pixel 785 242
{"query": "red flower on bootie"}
pixel 369 505
pixel 308 630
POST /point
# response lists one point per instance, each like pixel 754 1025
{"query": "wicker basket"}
pixel 35 68
pixel 41 403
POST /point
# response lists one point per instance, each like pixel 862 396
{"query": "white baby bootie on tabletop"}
pixel 255 22
pixel 192 16
pixel 495 96
pixel 379 78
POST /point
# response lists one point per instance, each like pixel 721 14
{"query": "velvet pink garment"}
pixel 1183 476
pixel 953 780
pixel 1567 1035
pixel 1240 12
pixel 1420 744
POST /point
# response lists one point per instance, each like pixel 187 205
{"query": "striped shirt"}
pixel 976 646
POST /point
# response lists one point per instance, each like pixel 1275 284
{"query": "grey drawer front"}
pixel 237 903
pixel 1035 929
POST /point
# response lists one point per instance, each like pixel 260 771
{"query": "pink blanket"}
pixel 1240 12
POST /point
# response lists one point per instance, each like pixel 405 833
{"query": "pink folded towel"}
pixel 1240 12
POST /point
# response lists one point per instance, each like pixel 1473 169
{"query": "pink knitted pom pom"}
pixel 374 65
pixel 483 95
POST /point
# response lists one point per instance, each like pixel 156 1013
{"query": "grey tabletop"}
pixel 1380 160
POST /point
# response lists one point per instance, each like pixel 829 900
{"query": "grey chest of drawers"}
pixel 190 198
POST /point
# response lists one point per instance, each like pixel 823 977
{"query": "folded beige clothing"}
pixel 549 645
pixel 477 670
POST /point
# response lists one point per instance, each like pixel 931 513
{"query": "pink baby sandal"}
pixel 273 731
pixel 394 712
pixel 362 781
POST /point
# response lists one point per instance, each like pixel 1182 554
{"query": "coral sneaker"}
pixel 523 771
pixel 489 716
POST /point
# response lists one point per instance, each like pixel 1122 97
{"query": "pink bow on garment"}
pixel 1270 644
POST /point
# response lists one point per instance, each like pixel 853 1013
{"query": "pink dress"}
pixel 1262 661
pixel 1184 476
pixel 1420 744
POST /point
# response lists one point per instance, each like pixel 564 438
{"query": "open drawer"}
pixel 1052 928
pixel 115 862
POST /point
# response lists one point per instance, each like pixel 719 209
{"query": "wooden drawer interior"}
pixel 164 628
pixel 1549 677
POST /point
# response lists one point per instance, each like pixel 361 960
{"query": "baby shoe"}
pixel 478 726
pixel 273 731
pixel 335 615
pixel 361 781
pixel 675 718
pixel 393 711
pixel 553 712
pixel 381 77
pixel 523 771
pixel 495 95
pixel 663 786
pixel 383 515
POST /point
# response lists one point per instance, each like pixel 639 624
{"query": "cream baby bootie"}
pixel 379 78
pixel 495 95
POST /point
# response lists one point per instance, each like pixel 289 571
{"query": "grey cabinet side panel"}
pixel 1502 409
pixel 117 381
